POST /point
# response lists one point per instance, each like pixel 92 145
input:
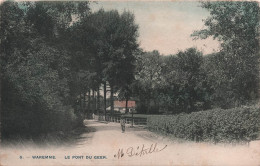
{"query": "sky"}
pixel 165 26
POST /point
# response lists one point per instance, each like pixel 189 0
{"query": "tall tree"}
pixel 188 78
pixel 115 41
pixel 149 77
pixel 235 25
pixel 121 35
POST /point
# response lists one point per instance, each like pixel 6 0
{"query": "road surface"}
pixel 105 144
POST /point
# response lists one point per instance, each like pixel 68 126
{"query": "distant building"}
pixel 120 106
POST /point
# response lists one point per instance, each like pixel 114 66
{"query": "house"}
pixel 120 106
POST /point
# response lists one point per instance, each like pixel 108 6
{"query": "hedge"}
pixel 217 125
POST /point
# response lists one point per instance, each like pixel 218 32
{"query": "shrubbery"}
pixel 218 125
pixel 33 122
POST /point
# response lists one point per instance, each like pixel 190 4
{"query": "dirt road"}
pixel 107 145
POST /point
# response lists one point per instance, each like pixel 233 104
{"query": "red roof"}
pixel 130 104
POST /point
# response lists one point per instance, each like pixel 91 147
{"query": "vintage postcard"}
pixel 125 83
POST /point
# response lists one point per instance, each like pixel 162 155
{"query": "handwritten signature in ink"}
pixel 138 151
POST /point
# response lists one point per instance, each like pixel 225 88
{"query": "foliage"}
pixel 34 71
pixel 148 79
pixel 235 67
pixel 172 82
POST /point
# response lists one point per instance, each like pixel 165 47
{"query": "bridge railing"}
pixel 116 119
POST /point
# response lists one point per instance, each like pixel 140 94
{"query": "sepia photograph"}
pixel 129 83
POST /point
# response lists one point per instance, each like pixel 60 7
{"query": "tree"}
pixel 235 25
pixel 183 87
pixel 114 46
pixel 148 79
pixel 189 78
pixel 122 40
pixel 172 84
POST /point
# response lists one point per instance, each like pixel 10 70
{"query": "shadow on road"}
pixel 77 137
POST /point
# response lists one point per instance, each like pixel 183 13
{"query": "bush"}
pixel 218 125
pixel 39 122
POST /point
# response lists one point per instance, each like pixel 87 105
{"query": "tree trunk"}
pixel 80 102
pixel 126 105
pixel 156 104
pixel 89 102
pixel 84 104
pixel 93 101
pixel 105 99
pixel 0 105
pixel 148 106
pixel 112 100
pixel 98 101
